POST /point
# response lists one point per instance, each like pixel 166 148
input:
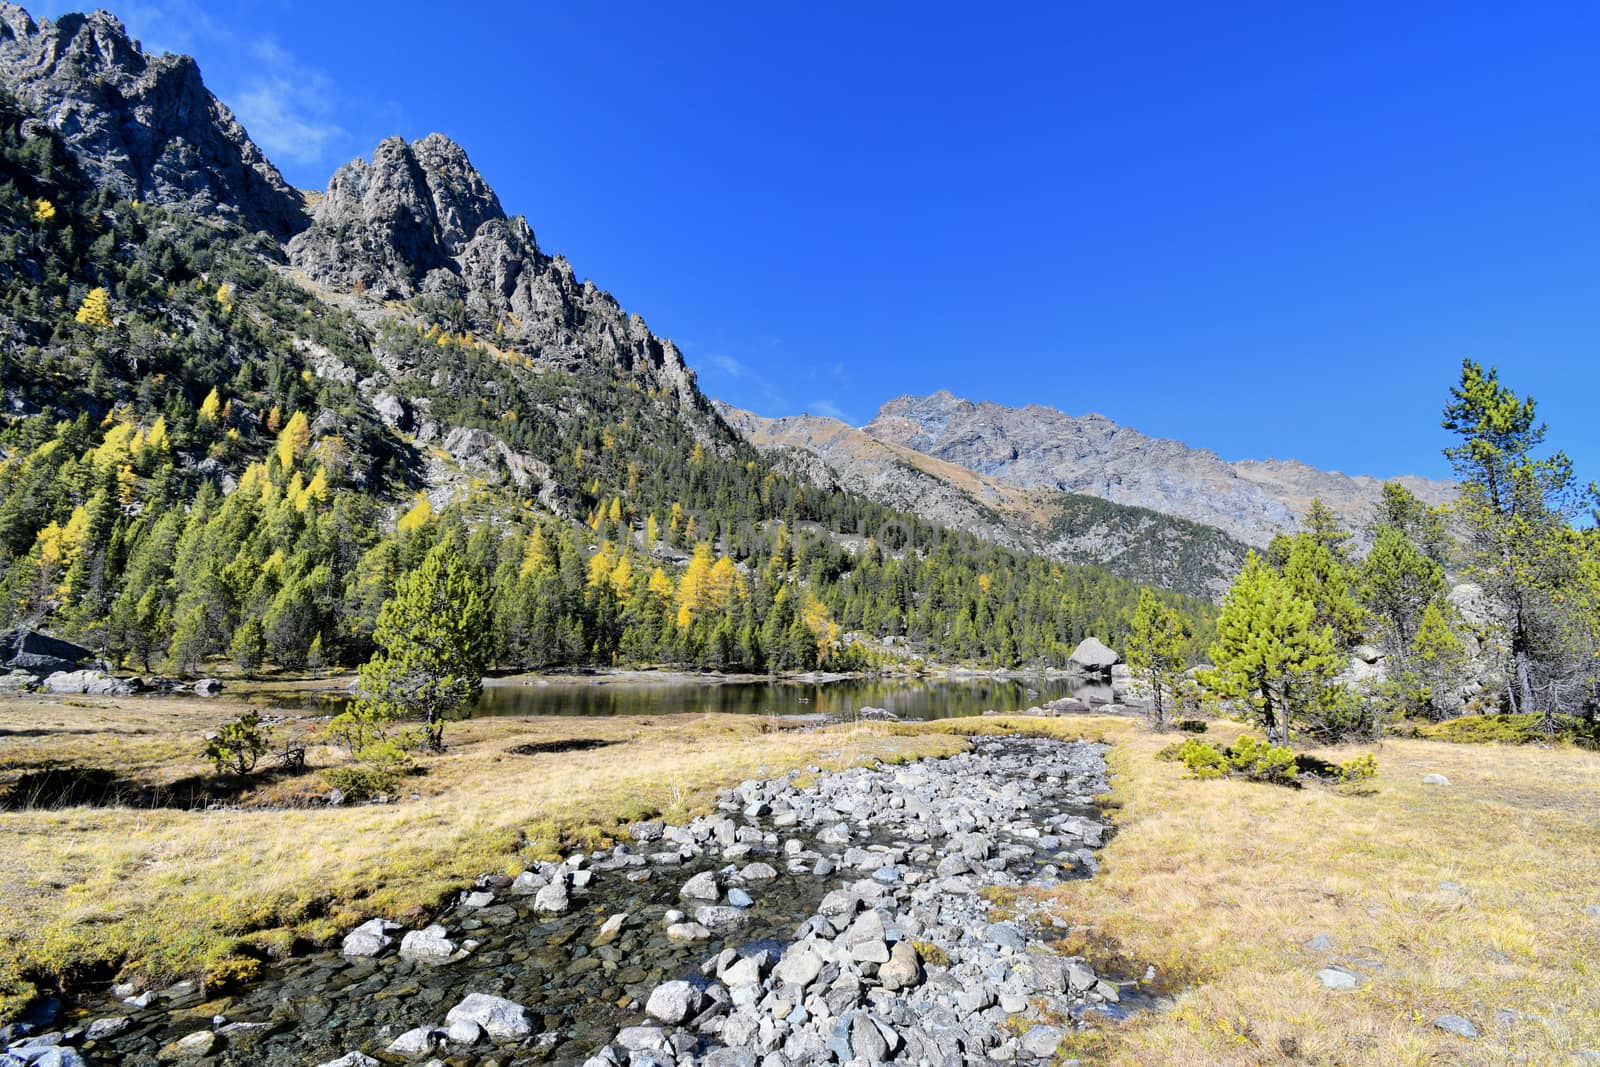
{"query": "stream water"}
pixel 579 990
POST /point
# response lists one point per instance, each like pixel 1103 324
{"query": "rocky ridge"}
pixel 143 125
pixel 1039 447
pixel 1133 542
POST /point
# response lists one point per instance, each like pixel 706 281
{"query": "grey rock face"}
pixel 419 218
pixel 143 125
pixel 39 654
pixel 1040 447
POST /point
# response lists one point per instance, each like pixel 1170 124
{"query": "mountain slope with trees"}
pixel 219 442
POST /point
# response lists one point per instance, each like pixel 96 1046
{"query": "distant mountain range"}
pixel 1080 489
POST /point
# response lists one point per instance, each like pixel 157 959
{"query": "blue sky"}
pixel 1270 230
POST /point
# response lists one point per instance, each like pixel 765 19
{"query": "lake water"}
pixel 907 698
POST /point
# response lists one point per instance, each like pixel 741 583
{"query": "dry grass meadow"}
pixel 1469 899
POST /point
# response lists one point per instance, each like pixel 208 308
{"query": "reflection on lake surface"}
pixel 908 698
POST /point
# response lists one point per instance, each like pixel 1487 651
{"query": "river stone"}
pixel 200 1043
pixel 903 970
pixel 870 952
pixel 369 939
pixel 867 927
pixel 553 899
pixel 672 1002
pixel 429 945
pixel 609 930
pixel 101 1029
pixel 1456 1024
pixel 419 1042
pixel 351 1059
pixel 55 1056
pixel 688 932
pixel 800 965
pixel 759 872
pixel 702 886
pixel 642 1038
pixel 739 898
pixel 720 916
pixel 499 1017
pixel 480 899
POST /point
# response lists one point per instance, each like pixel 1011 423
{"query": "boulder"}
pixel 672 1002
pixel 369 939
pixel 903 970
pixel 500 1018
pixel 427 946
pixel 40 654
pixel 1093 657
pixel 207 687
pixel 97 683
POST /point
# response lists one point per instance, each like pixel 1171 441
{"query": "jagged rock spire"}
pixel 143 125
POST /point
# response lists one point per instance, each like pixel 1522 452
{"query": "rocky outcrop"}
pixel 39 654
pixel 143 125
pixel 419 220
pixel 1040 447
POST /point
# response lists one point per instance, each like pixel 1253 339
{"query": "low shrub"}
pixel 361 782
pixel 239 745
pixel 1509 729
pixel 1249 757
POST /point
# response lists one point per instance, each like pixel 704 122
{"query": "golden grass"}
pixel 1219 884
pixel 162 893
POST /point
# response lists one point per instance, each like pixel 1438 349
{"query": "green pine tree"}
pixel 431 635
pixel 1154 650
pixel 1267 650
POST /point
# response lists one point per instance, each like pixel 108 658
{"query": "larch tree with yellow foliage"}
pixel 294 440
pixel 95 311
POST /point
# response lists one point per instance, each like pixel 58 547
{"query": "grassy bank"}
pixel 1468 899
pixel 87 891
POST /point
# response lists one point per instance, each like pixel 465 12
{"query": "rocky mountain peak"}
pixel 420 220
pixel 143 125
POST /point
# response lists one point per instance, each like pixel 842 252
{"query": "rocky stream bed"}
pixel 816 918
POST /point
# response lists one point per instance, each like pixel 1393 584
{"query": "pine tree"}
pixel 1398 582
pixel 1154 649
pixel 1267 650
pixel 1318 571
pixel 1517 508
pixel 249 647
pixel 1437 659
pixel 431 635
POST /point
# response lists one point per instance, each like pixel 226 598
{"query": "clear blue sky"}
pixel 1271 230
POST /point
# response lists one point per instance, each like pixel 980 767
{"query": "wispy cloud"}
pixel 828 408
pixel 287 107
pixel 727 365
